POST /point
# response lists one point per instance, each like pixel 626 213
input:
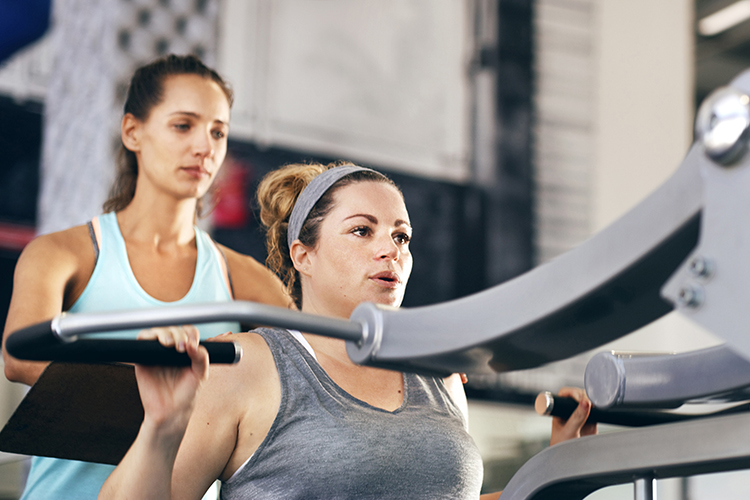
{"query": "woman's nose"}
pixel 388 249
pixel 203 146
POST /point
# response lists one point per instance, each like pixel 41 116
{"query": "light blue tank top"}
pixel 113 286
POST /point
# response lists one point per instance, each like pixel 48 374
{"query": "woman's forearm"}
pixel 168 396
pixel 146 470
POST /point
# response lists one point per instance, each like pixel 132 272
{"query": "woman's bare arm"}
pixel 168 395
pixel 227 420
pixel 255 282
pixel 50 274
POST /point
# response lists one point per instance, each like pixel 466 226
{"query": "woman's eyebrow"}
pixel 188 113
pixel 195 115
pixel 369 217
pixel 374 220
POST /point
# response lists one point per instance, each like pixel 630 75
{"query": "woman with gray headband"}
pixel 296 419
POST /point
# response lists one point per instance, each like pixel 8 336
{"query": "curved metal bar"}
pixel 597 292
pixel 64 337
pixel 666 381
pixel 72 325
pixel 573 469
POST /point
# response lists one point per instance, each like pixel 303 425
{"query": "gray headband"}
pixel 312 193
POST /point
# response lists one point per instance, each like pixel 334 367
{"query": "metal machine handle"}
pixel 558 406
pixel 58 339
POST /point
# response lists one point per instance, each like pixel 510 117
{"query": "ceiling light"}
pixel 726 18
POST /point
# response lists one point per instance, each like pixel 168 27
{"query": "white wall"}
pixel 644 121
pixel 644 103
pixel 615 100
pixel 382 82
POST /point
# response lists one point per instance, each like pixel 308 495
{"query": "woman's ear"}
pixel 130 132
pixel 300 256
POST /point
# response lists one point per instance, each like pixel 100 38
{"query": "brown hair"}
pixel 278 192
pixel 146 90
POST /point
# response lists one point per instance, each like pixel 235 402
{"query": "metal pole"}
pixel 645 488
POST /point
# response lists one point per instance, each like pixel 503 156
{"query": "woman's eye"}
pixel 361 231
pixel 219 134
pixel 402 238
pixel 182 127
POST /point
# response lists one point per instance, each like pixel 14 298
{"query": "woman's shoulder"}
pixel 58 263
pixel 256 356
pixel 254 374
pixel 73 244
pixel 253 339
pixel 253 281
pixel 242 264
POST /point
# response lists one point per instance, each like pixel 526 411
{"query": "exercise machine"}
pixel 684 248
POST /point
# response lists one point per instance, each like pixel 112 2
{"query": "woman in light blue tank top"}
pixel 296 418
pixel 146 250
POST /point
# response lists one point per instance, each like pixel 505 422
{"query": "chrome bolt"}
pixel 722 124
pixel 690 297
pixel 701 267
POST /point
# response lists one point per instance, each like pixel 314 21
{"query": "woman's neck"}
pixel 160 223
pixel 328 346
pixel 314 304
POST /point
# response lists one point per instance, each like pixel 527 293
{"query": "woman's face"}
pixel 362 253
pixel 182 143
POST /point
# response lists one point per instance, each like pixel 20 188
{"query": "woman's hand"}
pixel 168 393
pixel 575 426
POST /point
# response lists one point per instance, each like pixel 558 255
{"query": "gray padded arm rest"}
pixel 666 381
pixel 599 291
pixel 575 468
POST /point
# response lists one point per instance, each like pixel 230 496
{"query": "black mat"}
pixel 88 412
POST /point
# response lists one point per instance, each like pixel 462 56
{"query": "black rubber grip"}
pixel 563 407
pixel 31 344
pixel 27 341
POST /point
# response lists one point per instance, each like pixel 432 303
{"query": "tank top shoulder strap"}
pixel 212 248
pixel 95 232
pixel 280 342
pixel 112 250
pixel 293 359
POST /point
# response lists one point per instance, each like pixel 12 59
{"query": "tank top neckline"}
pixel 324 377
pixel 307 353
pixel 123 249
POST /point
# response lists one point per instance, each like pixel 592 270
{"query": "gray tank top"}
pixel 326 444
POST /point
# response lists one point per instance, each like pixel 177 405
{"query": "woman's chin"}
pixel 391 300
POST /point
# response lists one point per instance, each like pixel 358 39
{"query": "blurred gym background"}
pixel 516 129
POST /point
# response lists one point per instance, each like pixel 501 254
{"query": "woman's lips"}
pixel 196 171
pixel 387 279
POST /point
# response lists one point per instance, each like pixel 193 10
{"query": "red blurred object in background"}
pixel 232 209
pixel 14 236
